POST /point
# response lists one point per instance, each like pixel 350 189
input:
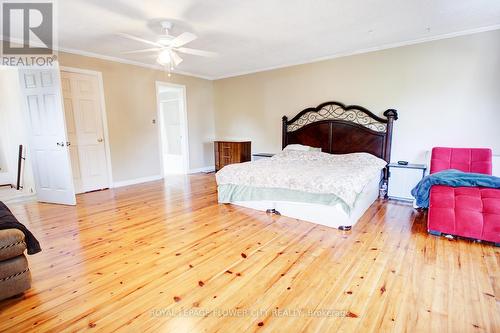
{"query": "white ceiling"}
pixel 253 35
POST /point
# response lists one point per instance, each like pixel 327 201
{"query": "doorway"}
pixel 172 124
pixel 86 129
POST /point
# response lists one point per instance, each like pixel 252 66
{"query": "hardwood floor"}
pixel 166 257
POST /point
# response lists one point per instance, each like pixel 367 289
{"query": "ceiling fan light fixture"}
pixel 164 40
pixel 168 46
pixel 164 58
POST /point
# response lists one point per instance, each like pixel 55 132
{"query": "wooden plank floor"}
pixel 165 257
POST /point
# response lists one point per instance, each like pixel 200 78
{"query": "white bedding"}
pixel 344 176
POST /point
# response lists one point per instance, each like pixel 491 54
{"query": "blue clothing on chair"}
pixel 453 178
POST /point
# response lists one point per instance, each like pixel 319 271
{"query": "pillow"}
pixel 301 148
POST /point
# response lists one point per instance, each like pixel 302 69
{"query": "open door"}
pixel 173 128
pixel 41 92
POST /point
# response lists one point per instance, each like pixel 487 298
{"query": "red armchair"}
pixel 472 212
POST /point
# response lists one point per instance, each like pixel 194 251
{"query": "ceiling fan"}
pixel 168 46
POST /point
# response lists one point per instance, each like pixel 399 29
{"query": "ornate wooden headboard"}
pixel 340 129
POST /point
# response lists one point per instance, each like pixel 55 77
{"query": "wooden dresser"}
pixel 229 152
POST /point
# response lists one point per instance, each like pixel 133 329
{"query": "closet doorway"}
pixel 87 129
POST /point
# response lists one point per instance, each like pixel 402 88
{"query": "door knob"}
pixel 100 140
pixel 60 144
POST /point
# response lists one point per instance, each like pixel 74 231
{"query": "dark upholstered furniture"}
pixel 472 212
pixel 15 276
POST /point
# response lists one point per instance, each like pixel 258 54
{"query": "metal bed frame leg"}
pixel 272 211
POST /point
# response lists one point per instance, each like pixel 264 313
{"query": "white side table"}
pixel 259 156
pixel 403 178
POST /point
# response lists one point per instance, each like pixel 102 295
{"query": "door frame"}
pixel 104 116
pixel 185 127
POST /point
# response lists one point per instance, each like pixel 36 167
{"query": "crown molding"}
pixel 129 62
pixel 289 64
pixel 366 50
pixel 112 58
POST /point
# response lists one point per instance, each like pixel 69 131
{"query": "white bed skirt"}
pixel 330 216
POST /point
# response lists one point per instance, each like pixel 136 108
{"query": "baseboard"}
pixel 137 181
pixel 141 180
pixel 204 169
pixel 25 198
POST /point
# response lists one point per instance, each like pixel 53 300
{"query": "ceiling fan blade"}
pixel 138 39
pixel 196 52
pixel 183 39
pixel 175 58
pixel 154 49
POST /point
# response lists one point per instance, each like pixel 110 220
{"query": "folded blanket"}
pixel 453 178
pixel 8 221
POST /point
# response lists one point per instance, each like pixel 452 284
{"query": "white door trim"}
pixel 185 137
pixel 103 114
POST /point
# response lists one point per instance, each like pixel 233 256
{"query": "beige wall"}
pixel 130 97
pixel 447 93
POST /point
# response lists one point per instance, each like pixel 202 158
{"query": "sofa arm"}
pixel 12 243
pixel 15 276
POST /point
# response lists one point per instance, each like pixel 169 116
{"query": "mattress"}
pixel 228 193
pixel 325 210
pixel 329 189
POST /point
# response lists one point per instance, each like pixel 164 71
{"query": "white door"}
pixel 173 127
pixel 173 158
pixel 41 91
pixel 85 130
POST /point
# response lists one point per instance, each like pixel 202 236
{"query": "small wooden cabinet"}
pixel 229 152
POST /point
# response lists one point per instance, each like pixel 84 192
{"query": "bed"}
pixel 333 162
